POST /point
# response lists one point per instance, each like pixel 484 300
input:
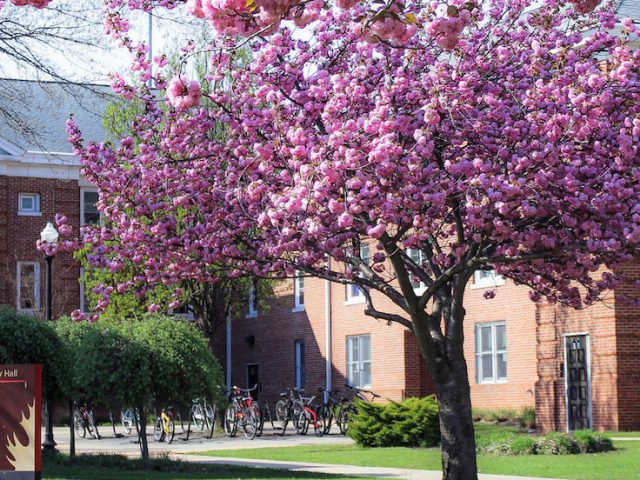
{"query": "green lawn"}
pixel 114 467
pixel 622 464
pixel 624 434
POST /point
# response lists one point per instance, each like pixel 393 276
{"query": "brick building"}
pixel 39 177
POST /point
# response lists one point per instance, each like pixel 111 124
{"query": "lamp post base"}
pixel 49 444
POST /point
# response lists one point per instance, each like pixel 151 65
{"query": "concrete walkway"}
pixel 375 472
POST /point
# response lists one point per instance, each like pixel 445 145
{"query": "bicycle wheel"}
pixel 259 418
pixel 78 424
pixel 197 416
pixel 251 422
pixel 230 421
pixel 343 420
pixel 127 419
pixel 299 418
pixel 170 431
pixel 91 425
pixel 158 430
pixel 210 418
pixel 282 416
pixel 319 426
pixel 325 413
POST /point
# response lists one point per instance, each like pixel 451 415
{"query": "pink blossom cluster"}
pixel 33 3
pixel 446 31
pixel 183 94
pixel 585 6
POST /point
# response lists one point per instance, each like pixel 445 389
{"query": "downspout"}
pixel 229 350
pixel 327 332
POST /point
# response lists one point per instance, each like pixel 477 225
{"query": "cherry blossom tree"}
pixel 447 136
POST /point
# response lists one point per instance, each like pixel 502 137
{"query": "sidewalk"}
pixel 381 472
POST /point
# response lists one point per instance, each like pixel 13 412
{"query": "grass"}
pixel 623 434
pixel 622 464
pixel 117 467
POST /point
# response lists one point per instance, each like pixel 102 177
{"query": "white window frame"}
pixel 353 365
pixel 299 363
pixel 494 352
pixel 36 287
pixel 487 279
pixel 353 293
pixel 36 211
pixel 84 190
pixel 298 292
pixel 411 254
pixel 252 308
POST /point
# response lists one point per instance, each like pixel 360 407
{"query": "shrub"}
pixel 527 418
pixel 510 443
pixel 411 423
pixel 590 442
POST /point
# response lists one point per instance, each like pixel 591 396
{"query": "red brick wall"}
pixel 599 322
pixel 18 236
pixel 628 348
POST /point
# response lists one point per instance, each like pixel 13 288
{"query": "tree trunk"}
pixel 142 435
pixel 456 425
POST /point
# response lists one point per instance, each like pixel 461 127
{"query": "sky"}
pixel 96 55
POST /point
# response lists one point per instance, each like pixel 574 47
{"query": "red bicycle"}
pixel 311 417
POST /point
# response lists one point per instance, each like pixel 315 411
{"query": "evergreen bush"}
pixel 410 423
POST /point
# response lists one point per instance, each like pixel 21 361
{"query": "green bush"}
pixel 28 340
pixel 555 443
pixel 527 418
pixel 411 423
pixel 590 442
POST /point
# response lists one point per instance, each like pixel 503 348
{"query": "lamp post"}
pixel 50 236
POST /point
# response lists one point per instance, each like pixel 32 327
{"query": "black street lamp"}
pixel 49 235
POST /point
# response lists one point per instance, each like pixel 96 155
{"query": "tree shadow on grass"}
pixel 119 467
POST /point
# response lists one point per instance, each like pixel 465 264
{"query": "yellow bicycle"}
pixel 164 428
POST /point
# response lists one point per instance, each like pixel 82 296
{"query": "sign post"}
pixel 20 422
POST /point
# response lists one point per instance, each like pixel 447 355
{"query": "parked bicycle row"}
pixel 295 411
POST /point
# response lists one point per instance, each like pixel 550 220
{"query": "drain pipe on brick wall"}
pixel 229 350
pixel 327 333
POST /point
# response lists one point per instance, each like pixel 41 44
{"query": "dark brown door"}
pixel 253 379
pixel 577 382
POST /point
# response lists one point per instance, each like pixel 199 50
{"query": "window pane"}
pixel 365 348
pixel 486 342
pixel 27 286
pixel 355 349
pixel 487 367
pixel 364 253
pixel 365 374
pixel 91 213
pixel 501 337
pixel 501 364
pixel 27 203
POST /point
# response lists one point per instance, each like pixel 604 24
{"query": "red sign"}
pixel 20 407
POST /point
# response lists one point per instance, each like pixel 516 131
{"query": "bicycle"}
pixel 243 412
pixel 83 421
pixel 330 410
pixel 164 428
pixel 311 417
pixel 129 418
pixel 349 408
pixel 289 409
pixel 203 414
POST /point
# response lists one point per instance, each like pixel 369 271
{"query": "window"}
pixel 354 294
pixel 359 361
pixel 89 213
pixel 28 291
pixel 298 292
pixel 299 363
pixel 418 257
pixel 252 307
pixel 491 352
pixel 487 278
pixel 29 204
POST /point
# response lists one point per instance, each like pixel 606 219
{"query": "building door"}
pixel 253 379
pixel 578 382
